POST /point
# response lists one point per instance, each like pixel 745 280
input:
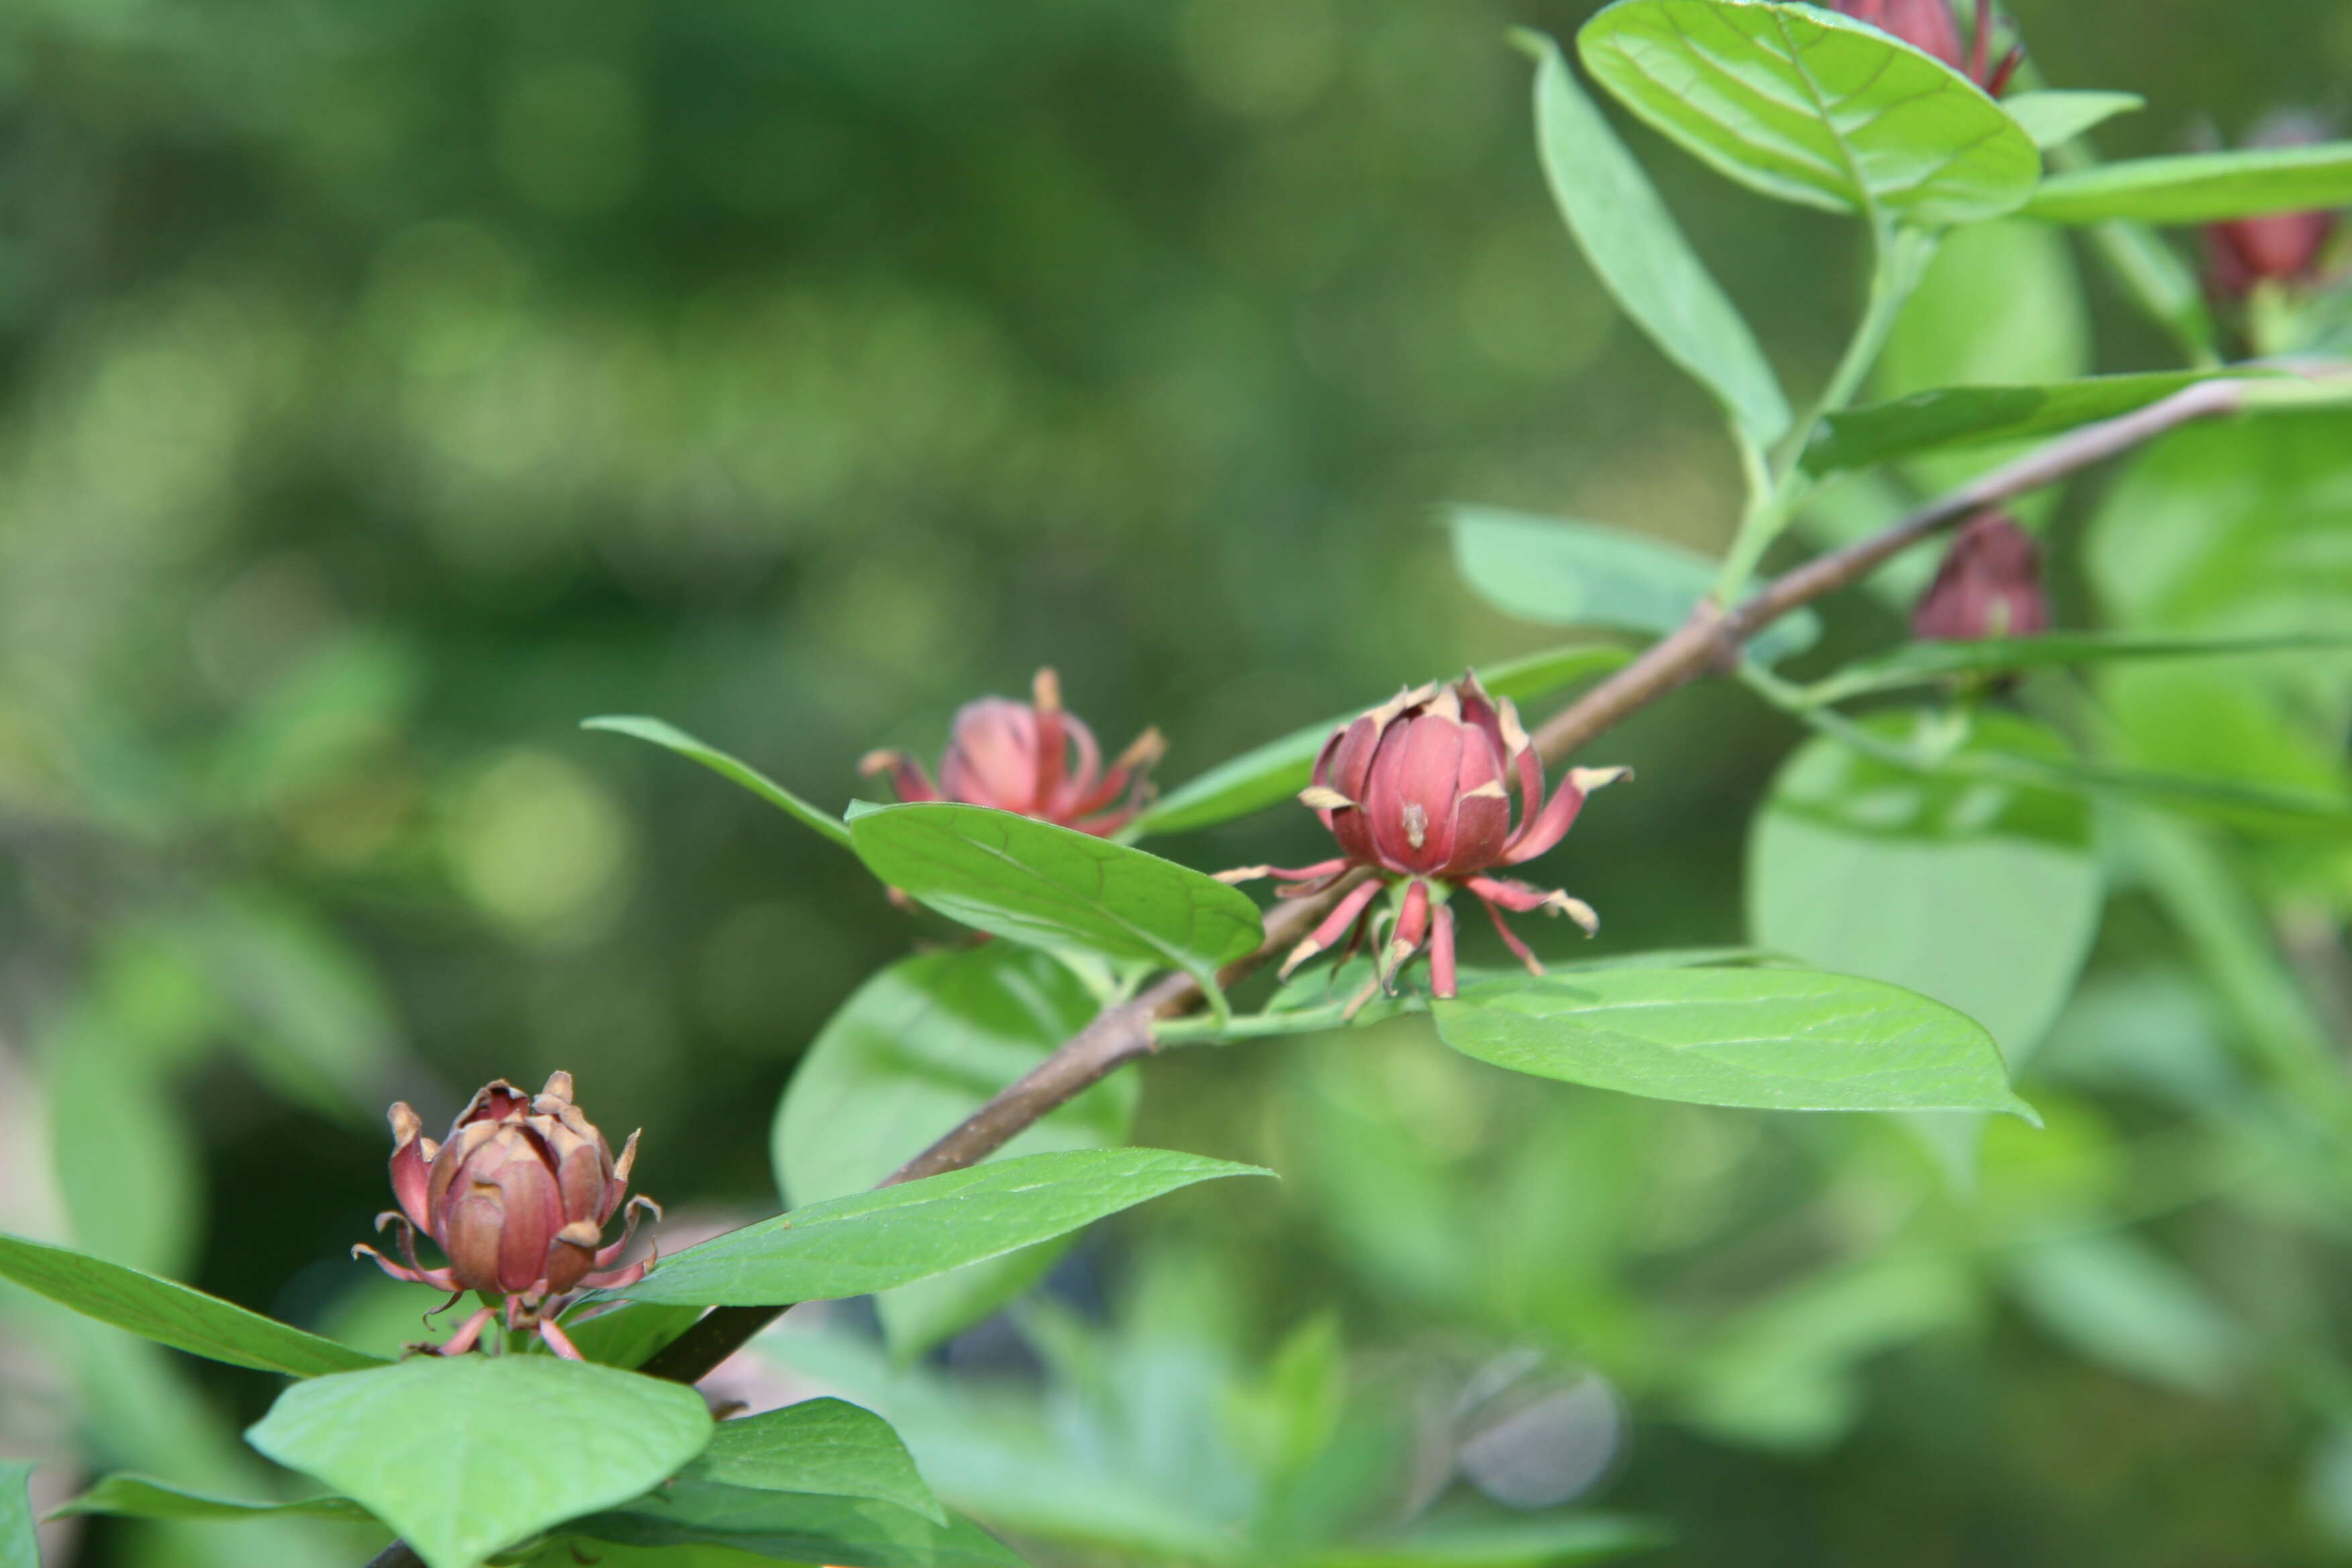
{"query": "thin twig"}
pixel 1708 643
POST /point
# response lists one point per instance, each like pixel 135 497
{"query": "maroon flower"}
pixel 1031 757
pixel 516 1199
pixel 1419 790
pixel 1930 27
pixel 1990 585
pixel 2275 247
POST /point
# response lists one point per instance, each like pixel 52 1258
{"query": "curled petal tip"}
pixel 1143 751
pixel 1587 780
pixel 407 1125
pixel 1323 797
pixel 1046 690
pixel 559 1087
pixel 1576 910
pixel 1242 874
pixel 880 760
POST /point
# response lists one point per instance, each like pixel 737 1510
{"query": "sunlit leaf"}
pixel 1972 416
pixel 1585 575
pixel 676 740
pixel 917 1049
pixel 1808 106
pixel 1982 896
pixel 2051 118
pixel 411 1445
pixel 1638 251
pixel 143 1497
pixel 171 1313
pixel 2201 187
pixel 1775 1039
pixel 1279 769
pixel 794 1528
pixel 1925 663
pixel 873 1241
pixel 826 1448
pixel 1055 887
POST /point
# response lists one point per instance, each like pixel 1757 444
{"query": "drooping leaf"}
pixel 2051 118
pixel 1773 1039
pixel 1982 896
pixel 676 740
pixel 143 1497
pixel 432 1446
pixel 1581 574
pixel 1925 663
pixel 1279 769
pixel 20 1545
pixel 2201 187
pixel 171 1313
pixel 1972 416
pixel 826 1448
pixel 626 1334
pixel 918 1048
pixel 794 1528
pixel 1055 887
pixel 1811 106
pixel 1547 1541
pixel 1638 251
pixel 873 1241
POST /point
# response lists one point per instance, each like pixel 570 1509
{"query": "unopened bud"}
pixel 1990 585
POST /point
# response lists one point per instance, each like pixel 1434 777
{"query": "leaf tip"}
pixel 1535 45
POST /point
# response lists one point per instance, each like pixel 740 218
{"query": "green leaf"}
pixel 626 1333
pixel 1811 106
pixel 2121 1303
pixel 1639 253
pixel 20 1545
pixel 718 761
pixel 1773 1039
pixel 143 1497
pixel 2051 118
pixel 2201 187
pixel 918 1048
pixel 1581 574
pixel 797 1529
pixel 465 1456
pixel 1541 1541
pixel 171 1313
pixel 873 1241
pixel 1964 416
pixel 1982 896
pixel 825 1446
pixel 1055 887
pixel 1925 663
pixel 1279 769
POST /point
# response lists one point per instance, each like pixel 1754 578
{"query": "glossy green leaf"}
pixel 143 1497
pixel 171 1313
pixel 1773 1039
pixel 1638 251
pixel 1547 1541
pixel 676 740
pixel 1982 896
pixel 873 1241
pixel 2201 187
pixel 1279 769
pixel 1970 416
pixel 628 1334
pixel 846 1531
pixel 1925 663
pixel 466 1456
pixel 1055 887
pixel 918 1048
pixel 20 1545
pixel 827 1447
pixel 1811 106
pixel 1581 574
pixel 2051 118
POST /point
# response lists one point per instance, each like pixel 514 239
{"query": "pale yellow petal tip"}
pixel 1587 780
pixel 1323 797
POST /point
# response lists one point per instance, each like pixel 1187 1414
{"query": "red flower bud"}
pixel 2282 247
pixel 1990 585
pixel 1930 27
pixel 1419 790
pixel 518 1198
pixel 1031 757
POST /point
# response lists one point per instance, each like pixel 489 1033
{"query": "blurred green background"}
pixel 385 387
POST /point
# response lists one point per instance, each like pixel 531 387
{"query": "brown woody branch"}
pixel 1708 642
